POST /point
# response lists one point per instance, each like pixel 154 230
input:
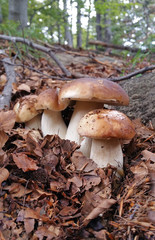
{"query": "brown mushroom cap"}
pixel 103 123
pixel 25 108
pixel 48 99
pixel 94 90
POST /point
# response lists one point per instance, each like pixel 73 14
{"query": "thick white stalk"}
pixel 85 146
pixel 34 123
pixel 52 123
pixel 107 152
pixel 81 108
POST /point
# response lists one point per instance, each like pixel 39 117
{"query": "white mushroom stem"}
pixel 85 146
pixel 52 123
pixel 34 123
pixel 80 110
pixel 106 152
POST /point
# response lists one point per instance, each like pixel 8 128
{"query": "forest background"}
pixel 75 22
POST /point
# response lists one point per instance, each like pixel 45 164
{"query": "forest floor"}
pixel 49 190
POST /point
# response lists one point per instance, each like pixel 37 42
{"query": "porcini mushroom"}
pixel 51 121
pixel 89 94
pixel 25 110
pixel 106 128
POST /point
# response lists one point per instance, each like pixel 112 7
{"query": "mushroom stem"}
pixel 52 123
pixel 81 108
pixel 34 123
pixel 107 152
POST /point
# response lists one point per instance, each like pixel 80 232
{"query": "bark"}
pixel 18 11
pixel 59 33
pixel 1 18
pixel 79 30
pixel 109 45
pixel 98 25
pixel 88 26
pixel 5 97
pixel 68 35
pixel 107 29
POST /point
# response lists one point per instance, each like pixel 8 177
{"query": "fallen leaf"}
pixel 24 162
pixel 104 205
pixel 4 174
pixel 23 87
pixel 29 224
pixel 148 155
pixel 3 138
pixel 17 190
pixel 1 236
pixel 83 163
pixel 68 211
pixel 7 120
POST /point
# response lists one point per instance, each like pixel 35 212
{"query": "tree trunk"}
pixel 88 26
pixel 79 30
pixel 98 25
pixel 18 11
pixel 1 18
pixel 68 36
pixel 59 33
pixel 107 29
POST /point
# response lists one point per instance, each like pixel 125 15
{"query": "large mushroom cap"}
pixel 94 90
pixel 25 108
pixel 48 100
pixel 103 123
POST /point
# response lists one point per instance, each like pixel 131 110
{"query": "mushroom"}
pixel 25 110
pixel 106 128
pixel 51 121
pixel 89 94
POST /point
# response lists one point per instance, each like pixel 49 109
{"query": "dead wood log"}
pixel 5 97
pixel 44 49
pixel 130 75
pixel 109 45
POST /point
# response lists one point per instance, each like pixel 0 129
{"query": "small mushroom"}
pixel 51 121
pixel 89 94
pixel 106 128
pixel 26 112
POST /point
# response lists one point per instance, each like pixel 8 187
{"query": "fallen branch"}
pixel 5 97
pixel 109 45
pixel 133 74
pixel 38 47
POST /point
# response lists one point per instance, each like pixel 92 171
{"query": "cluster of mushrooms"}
pixel 97 130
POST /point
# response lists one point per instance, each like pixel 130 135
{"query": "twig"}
pixel 133 74
pixel 36 70
pixel 5 97
pixel 109 45
pixel 38 47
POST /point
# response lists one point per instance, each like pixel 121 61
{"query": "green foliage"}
pixel 47 21
pixel 11 28
pixel 138 58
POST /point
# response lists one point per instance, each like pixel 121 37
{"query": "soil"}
pixel 141 91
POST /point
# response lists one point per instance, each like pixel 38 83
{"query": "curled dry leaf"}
pixel 4 174
pixel 17 190
pixel 83 163
pixel 29 225
pixel 3 138
pixel 7 120
pixel 24 162
pixel 104 205
pixel 68 211
pixel 148 155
